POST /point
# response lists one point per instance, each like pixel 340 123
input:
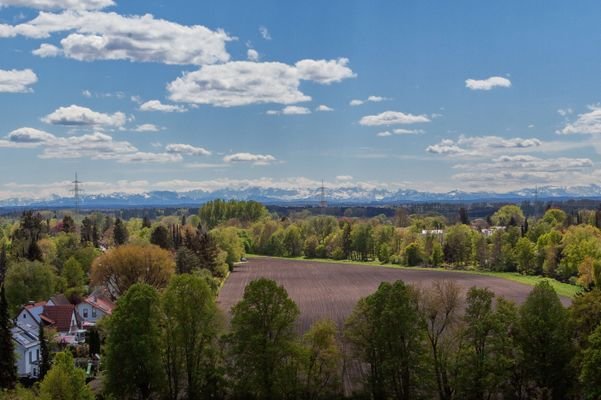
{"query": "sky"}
pixel 181 95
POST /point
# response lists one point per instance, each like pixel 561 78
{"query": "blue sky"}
pixel 181 95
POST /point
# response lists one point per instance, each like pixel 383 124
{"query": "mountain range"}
pixel 346 194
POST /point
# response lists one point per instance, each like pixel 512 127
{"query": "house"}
pixel 63 318
pixel 58 300
pixel 432 232
pixel 94 307
pixel 30 313
pixel 27 350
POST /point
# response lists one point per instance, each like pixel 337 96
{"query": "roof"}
pixel 59 316
pixel 24 337
pixel 104 305
pixel 59 299
pixel 29 306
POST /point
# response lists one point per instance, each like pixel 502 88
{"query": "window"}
pixel 93 313
pixel 85 313
pixel 37 355
pixel 31 356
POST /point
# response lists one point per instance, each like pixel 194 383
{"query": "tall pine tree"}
pixel 8 372
pixel 44 353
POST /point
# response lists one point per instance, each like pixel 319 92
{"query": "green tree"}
pixel 68 225
pixel 64 381
pixel 161 237
pixel 509 215
pixel 28 281
pixel 44 365
pixel 8 372
pixel 322 361
pixel 133 347
pixel 73 275
pixel 262 340
pixel 385 330
pixel 458 244
pixel 525 257
pixel 120 234
pixel 590 378
pixel 413 256
pixel 186 261
pixel 293 241
pixel 227 239
pixel 191 324
pixel 544 342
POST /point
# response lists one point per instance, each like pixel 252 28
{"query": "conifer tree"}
pixel 120 234
pixel 8 373
pixel 44 353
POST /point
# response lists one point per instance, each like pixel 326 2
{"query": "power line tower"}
pixel 77 190
pixel 322 198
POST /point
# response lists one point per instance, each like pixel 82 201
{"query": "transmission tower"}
pixel 77 190
pixel 322 198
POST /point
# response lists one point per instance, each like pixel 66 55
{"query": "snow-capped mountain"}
pixel 346 194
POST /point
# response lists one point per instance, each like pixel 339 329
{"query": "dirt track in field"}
pixel 331 290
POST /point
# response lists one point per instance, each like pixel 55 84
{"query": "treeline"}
pixel 554 245
pixel 401 342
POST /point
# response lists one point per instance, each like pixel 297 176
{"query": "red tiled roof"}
pixel 102 304
pixel 59 316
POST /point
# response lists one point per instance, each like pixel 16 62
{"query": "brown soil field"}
pixel 331 290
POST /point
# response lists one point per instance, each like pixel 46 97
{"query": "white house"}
pixel 30 313
pixel 94 307
pixel 27 350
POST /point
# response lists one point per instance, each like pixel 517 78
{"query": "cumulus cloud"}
pixel 393 118
pixel 323 108
pixel 252 55
pixel 94 146
pixel 147 128
pixel 96 35
pixel 156 105
pixel 487 84
pixel 178 148
pixel 17 81
pixel 356 102
pixel 344 178
pixel 255 159
pixel 29 135
pixel 586 123
pixel 59 4
pixel 74 115
pixel 240 83
pixel 290 110
pixel 482 145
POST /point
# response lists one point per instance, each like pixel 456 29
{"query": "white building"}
pixel 93 308
pixel 27 350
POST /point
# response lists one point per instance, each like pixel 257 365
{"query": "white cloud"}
pixel 565 111
pixel 264 33
pixel 17 81
pixel 156 105
pixel 144 157
pixel 400 132
pixel 252 55
pixel 344 178
pixel 147 128
pixel 99 35
pixel 393 118
pixel 30 135
pixel 240 83
pixel 324 71
pixel 587 123
pixel 370 99
pixel 187 149
pixel 487 84
pixel 80 116
pixel 323 108
pixel 483 146
pixel 256 159
pixel 290 110
pixel 59 4
pixel 86 93
pixel 47 50
pixel 207 165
